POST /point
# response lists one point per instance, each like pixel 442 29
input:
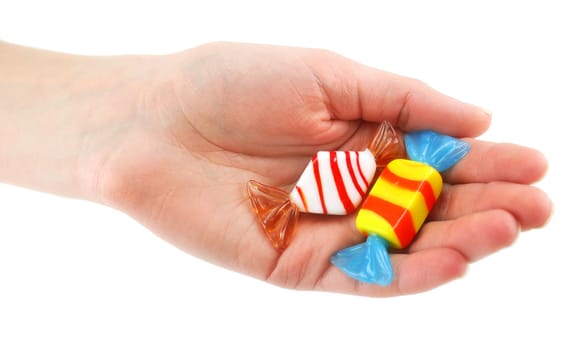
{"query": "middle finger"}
pixel 488 161
pixel 529 205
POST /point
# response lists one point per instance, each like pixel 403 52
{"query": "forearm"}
pixel 50 106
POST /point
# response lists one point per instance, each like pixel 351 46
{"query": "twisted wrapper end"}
pixel 275 212
pixel 387 145
pixel 367 262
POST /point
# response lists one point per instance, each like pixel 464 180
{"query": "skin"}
pixel 172 140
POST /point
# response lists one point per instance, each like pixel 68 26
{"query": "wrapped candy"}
pixel 398 204
pixel 333 183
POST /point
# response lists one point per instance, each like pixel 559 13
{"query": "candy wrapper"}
pixel 398 204
pixel 333 183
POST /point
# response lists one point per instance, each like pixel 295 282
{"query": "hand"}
pixel 189 130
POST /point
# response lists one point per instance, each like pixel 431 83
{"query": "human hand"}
pixel 190 129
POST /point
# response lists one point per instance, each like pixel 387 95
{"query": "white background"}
pixel 75 275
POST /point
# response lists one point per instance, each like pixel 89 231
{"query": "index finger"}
pixel 354 91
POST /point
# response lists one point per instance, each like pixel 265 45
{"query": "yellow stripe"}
pixel 370 222
pixel 413 201
pixel 416 171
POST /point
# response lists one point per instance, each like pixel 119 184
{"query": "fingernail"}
pixel 487 112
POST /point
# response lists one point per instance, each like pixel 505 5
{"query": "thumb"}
pixel 354 91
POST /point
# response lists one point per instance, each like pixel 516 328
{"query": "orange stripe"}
pixel 302 196
pixel 340 184
pixel 361 171
pixel 319 183
pixel 424 187
pixel 352 172
pixel 398 217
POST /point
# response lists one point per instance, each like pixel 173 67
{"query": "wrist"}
pixel 59 114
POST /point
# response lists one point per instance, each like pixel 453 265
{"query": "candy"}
pixel 398 205
pixel 400 201
pixel 333 183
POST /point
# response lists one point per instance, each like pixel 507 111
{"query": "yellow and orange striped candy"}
pixel 400 201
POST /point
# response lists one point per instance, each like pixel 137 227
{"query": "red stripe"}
pixel 352 172
pixel 319 183
pixel 361 171
pixel 302 196
pixel 398 217
pixel 424 187
pixel 340 184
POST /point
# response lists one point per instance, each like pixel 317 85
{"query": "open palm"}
pixel 219 115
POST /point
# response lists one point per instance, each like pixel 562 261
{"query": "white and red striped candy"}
pixel 334 182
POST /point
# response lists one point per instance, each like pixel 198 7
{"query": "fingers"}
pixel 354 91
pixel 305 263
pixel 413 273
pixel 487 162
pixel 440 254
pixel 428 269
pixel 474 236
pixel 413 105
pixel 529 205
